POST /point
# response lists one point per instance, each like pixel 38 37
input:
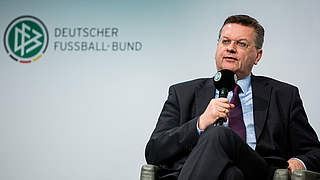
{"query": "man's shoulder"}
pixel 272 82
pixel 199 82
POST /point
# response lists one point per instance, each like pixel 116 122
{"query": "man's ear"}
pixel 259 55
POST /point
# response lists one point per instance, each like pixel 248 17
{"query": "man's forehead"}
pixel 234 30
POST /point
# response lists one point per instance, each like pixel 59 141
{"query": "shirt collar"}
pixel 245 83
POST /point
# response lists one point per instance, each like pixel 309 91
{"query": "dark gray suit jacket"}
pixel 281 125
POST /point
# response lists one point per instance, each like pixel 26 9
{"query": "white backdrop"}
pixel 84 115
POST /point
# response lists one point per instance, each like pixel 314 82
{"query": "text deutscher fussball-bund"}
pixel 92 39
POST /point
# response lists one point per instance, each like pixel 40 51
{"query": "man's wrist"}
pixel 198 129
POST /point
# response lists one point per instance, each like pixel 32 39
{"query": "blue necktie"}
pixel 235 116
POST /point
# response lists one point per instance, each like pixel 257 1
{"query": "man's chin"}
pixel 231 68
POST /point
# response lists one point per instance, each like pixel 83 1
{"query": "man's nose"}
pixel 232 47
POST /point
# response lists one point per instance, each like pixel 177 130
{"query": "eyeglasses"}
pixel 242 44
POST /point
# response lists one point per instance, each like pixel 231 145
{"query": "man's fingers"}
pixel 223 115
pixel 224 100
pixel 223 109
pixel 232 106
pixel 223 104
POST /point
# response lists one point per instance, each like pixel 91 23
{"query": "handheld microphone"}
pixel 225 81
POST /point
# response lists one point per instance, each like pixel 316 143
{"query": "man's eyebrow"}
pixel 243 39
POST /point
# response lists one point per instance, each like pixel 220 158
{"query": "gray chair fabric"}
pixel 305 175
pixel 281 174
pixel 149 172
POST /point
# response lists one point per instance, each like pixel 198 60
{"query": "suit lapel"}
pixel 203 95
pixel 261 98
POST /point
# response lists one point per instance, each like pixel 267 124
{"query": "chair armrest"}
pixel 281 174
pixel 305 175
pixel 149 172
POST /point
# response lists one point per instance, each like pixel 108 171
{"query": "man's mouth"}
pixel 230 58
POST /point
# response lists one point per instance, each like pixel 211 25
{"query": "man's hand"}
pixel 295 164
pixel 217 108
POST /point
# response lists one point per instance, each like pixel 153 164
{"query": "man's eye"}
pixel 226 41
pixel 242 44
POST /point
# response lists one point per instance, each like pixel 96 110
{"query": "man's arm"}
pixel 304 141
pixel 172 137
pixel 175 136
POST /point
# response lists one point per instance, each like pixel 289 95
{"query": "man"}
pixel 275 132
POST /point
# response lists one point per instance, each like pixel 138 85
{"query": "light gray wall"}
pixel 88 115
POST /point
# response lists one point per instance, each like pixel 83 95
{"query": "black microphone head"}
pixel 225 79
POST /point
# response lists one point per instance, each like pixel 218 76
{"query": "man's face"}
pixel 236 49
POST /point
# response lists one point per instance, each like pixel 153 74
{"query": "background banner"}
pixel 83 82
